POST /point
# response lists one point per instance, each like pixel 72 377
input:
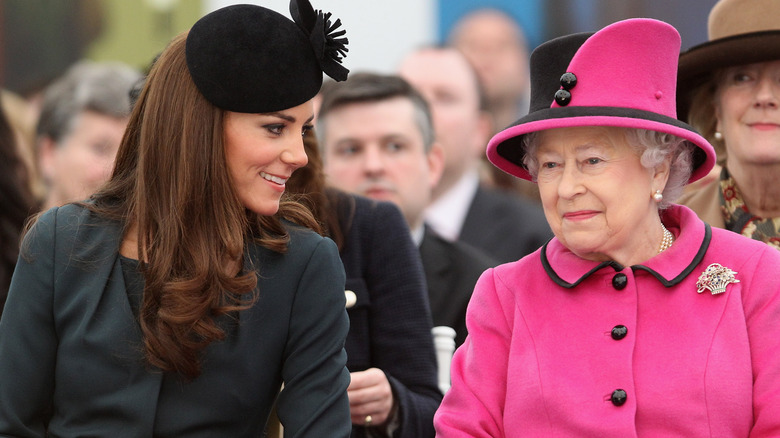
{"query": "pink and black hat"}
pixel 623 75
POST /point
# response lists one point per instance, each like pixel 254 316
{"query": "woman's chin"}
pixel 586 248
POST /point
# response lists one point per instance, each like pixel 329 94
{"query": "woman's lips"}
pixel 580 215
pixel 764 126
pixel 273 178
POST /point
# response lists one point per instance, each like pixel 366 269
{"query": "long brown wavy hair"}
pixel 171 183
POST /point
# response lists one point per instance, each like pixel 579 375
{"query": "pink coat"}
pixel 551 339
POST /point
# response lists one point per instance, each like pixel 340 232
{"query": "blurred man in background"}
pixel 464 208
pixel 377 140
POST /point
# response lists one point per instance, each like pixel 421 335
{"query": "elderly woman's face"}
pixel 748 112
pixel 596 194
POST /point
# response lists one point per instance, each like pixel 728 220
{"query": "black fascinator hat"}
pixel 250 59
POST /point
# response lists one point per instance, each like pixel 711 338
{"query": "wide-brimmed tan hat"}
pixel 740 32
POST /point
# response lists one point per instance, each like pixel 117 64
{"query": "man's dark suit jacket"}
pixel 451 270
pixel 390 324
pixel 71 351
pixel 504 226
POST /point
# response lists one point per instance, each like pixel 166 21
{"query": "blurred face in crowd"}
pixel 596 194
pixel 446 80
pixel 262 151
pixel 376 149
pixel 83 159
pixel 748 113
pixel 494 44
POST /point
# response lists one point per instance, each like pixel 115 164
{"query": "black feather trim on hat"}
pixel 329 44
pixel 250 59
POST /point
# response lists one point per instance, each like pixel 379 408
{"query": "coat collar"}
pixel 692 238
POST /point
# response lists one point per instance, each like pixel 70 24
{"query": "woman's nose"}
pixel 767 93
pixel 570 184
pixel 295 154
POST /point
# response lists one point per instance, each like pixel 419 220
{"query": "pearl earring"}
pixel 718 135
pixel 658 196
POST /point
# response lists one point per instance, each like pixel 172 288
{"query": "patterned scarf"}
pixel 738 218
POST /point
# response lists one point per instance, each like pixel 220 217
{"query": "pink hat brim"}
pixel 515 133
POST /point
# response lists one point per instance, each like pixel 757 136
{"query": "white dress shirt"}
pixel 447 214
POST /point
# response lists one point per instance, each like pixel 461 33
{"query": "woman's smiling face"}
pixel 596 194
pixel 748 112
pixel 262 151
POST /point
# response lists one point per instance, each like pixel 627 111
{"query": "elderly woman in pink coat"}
pixel 637 318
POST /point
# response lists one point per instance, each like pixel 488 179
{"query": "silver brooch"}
pixel 715 278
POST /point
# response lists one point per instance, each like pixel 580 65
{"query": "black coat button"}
pixel 619 281
pixel 562 97
pixel 618 397
pixel 568 81
pixel 619 332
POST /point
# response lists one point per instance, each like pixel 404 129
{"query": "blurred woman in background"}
pixel 729 89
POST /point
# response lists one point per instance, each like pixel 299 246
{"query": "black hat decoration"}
pixel 250 59
pixel 328 43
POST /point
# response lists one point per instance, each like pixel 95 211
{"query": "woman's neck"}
pixel 759 188
pixel 129 249
pixel 129 245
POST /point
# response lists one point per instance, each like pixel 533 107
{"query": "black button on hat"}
pixel 619 281
pixel 568 80
pixel 562 97
pixel 619 332
pixel 618 397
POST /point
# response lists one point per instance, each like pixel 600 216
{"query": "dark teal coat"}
pixel 71 352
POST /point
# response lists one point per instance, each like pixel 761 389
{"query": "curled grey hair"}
pixel 653 147
pixel 102 87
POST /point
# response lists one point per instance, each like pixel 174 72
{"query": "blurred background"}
pixel 40 39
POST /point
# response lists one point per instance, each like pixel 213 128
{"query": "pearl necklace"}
pixel 667 241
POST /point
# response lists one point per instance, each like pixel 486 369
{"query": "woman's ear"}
pixel 661 174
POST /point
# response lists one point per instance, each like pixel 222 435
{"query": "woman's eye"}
pixel 549 165
pixel 275 129
pixel 740 76
pixel 593 160
pixel 306 129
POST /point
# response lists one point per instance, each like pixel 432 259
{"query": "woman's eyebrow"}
pixel 286 117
